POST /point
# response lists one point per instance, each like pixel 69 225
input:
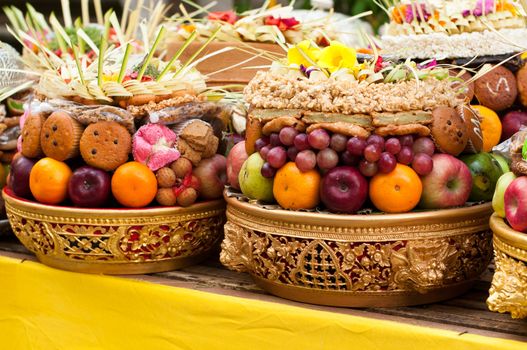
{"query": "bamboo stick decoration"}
pixel 103 47
pixel 85 9
pixel 66 13
pixel 151 52
pixel 124 64
pixel 98 11
pixel 181 49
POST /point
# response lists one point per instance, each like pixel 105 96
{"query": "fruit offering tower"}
pixel 361 179
pixel 119 149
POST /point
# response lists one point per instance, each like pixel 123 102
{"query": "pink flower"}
pixel 224 16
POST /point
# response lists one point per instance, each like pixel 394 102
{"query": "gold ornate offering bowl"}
pixel 376 260
pixel 117 241
pixel 508 292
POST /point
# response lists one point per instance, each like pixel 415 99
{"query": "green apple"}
pixel 498 201
pixel 504 163
pixel 485 172
pixel 252 183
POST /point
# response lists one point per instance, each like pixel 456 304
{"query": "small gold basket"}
pixel 377 260
pixel 508 292
pixel 117 241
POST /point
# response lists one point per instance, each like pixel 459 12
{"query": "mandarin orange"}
pixel 490 127
pixel 396 192
pixel 294 189
pixel 134 185
pixel 48 181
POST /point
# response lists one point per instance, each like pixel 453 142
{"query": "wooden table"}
pixel 465 314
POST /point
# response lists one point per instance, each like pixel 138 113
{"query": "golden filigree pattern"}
pixel 161 236
pixel 399 265
pixel 508 292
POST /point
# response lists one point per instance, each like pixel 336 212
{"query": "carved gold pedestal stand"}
pixel 508 292
pixel 117 241
pixel 358 260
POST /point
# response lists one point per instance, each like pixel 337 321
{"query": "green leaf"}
pixel 524 150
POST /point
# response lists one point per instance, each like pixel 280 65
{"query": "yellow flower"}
pixel 337 56
pixel 189 28
pixel 112 77
pixel 300 53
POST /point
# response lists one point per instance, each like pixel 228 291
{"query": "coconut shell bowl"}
pixel 117 241
pixel 508 292
pixel 375 260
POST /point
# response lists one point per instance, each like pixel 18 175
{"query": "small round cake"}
pixel 496 89
pixel 105 145
pixel 60 136
pixel 475 136
pixel 449 131
pixel 521 80
pixel 31 135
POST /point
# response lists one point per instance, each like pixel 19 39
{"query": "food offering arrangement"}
pixel 362 184
pixel 118 169
pixel 454 29
pixel 486 37
pixel 509 223
pixel 260 36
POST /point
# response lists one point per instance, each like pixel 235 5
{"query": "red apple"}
pixel 516 204
pixel 19 176
pixel 237 156
pixel 512 123
pixel 448 185
pixel 343 190
pixel 211 173
pixel 89 187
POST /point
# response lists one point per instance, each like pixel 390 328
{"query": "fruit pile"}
pixel 510 199
pixel 302 171
pixel 62 161
pixel 305 152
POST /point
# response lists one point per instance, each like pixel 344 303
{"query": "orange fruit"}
pixel 490 127
pixel 48 181
pixel 134 185
pixel 396 192
pixel 294 189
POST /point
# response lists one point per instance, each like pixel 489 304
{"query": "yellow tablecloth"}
pixel 45 308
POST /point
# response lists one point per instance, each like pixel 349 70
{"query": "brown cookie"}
pixel 496 89
pixel 343 128
pixel 474 133
pixel 279 123
pixel 449 131
pixel 253 132
pixel 60 136
pixel 105 145
pixel 400 130
pixel 521 80
pixel 31 135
